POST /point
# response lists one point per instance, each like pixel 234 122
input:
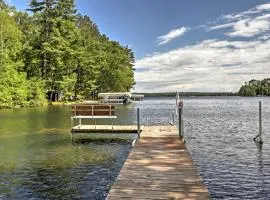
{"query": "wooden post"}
pixel 71 122
pixel 258 138
pixel 260 122
pixel 172 118
pixel 71 133
pixel 180 122
pixel 138 123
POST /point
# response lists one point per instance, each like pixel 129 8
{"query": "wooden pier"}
pixel 105 129
pixel 159 167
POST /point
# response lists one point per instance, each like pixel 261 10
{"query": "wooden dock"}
pixel 159 167
pixel 105 129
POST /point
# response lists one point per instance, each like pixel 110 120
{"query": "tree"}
pixel 255 88
pixel 57 36
pixel 57 50
pixel 14 86
pixel 45 16
pixel 88 56
pixel 116 73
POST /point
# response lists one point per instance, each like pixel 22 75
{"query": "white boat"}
pixel 115 97
pixel 137 97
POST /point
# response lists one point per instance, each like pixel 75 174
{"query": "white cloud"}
pixel 245 24
pixel 263 6
pixel 213 64
pixel 241 15
pixel 257 10
pixel 210 65
pixel 173 34
pixel 221 26
pixel 267 16
pixel 249 28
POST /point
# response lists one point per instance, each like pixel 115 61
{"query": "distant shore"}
pixel 187 94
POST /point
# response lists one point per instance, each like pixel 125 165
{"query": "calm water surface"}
pixel 38 161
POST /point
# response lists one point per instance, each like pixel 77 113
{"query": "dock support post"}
pixel 172 123
pixel 71 123
pixel 72 137
pixel 259 136
pixel 260 122
pixel 180 122
pixel 71 132
pixel 138 123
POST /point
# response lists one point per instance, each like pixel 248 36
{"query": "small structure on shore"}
pixel 119 97
pixel 137 97
pixel 115 98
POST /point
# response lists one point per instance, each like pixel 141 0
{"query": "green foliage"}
pixel 36 92
pixel 67 86
pixel 13 88
pixel 13 84
pixel 56 49
pixel 256 88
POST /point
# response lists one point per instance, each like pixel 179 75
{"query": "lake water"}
pixel 38 161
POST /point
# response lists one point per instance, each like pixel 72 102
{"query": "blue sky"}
pixel 187 45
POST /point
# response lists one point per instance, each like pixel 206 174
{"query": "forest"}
pixel 255 88
pixel 51 49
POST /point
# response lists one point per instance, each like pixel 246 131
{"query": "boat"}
pixel 115 98
pixel 137 97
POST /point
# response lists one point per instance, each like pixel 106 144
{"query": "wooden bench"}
pixel 92 111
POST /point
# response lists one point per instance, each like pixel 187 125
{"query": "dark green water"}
pixel 38 161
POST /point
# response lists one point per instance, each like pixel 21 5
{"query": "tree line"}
pixel 256 88
pixel 53 49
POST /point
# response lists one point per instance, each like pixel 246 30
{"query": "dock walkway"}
pixel 159 167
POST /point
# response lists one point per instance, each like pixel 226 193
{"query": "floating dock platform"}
pixel 105 129
pixel 159 167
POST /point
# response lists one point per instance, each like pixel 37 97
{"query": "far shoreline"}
pixel 188 94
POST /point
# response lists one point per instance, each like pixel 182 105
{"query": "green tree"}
pixel 246 90
pixel 116 70
pixel 88 56
pixel 57 50
pixel 256 87
pixel 56 20
pixel 13 85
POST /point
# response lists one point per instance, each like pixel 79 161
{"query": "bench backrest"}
pixel 93 110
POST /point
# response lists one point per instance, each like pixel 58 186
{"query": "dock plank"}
pixel 159 167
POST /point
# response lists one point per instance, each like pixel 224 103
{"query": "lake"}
pixel 38 160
